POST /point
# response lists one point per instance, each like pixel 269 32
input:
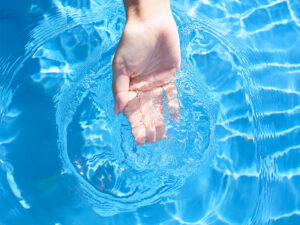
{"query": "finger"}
pixel 160 129
pixel 148 112
pixel 146 103
pixel 132 111
pixel 149 81
pixel 150 133
pixel 121 91
pixel 135 118
pixel 158 101
pixel 139 134
pixel 158 98
pixel 155 126
pixel 171 95
pixel 133 103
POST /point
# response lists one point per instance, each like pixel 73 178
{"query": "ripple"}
pixel 118 168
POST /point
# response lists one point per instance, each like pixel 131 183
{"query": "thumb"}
pixel 121 91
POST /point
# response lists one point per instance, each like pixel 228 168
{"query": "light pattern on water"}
pixel 232 158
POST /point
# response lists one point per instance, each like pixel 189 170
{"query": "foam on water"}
pixel 232 158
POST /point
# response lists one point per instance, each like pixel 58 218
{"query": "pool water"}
pixel 233 157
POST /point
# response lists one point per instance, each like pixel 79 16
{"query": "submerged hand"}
pixel 144 65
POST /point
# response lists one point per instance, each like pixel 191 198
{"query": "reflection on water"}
pixel 232 157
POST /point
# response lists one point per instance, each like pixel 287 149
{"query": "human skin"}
pixel 145 65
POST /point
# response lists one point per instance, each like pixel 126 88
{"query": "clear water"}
pixel 233 158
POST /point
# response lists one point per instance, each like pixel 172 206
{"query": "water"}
pixel 232 158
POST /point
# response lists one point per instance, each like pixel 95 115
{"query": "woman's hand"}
pixel 144 65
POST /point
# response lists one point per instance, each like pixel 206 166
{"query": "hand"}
pixel 144 65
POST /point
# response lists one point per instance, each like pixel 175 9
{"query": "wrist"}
pixel 145 10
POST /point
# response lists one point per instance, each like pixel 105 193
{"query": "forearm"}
pixel 146 9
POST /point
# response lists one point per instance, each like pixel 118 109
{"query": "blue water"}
pixel 232 158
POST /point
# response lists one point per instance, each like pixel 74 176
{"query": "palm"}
pixel 145 64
